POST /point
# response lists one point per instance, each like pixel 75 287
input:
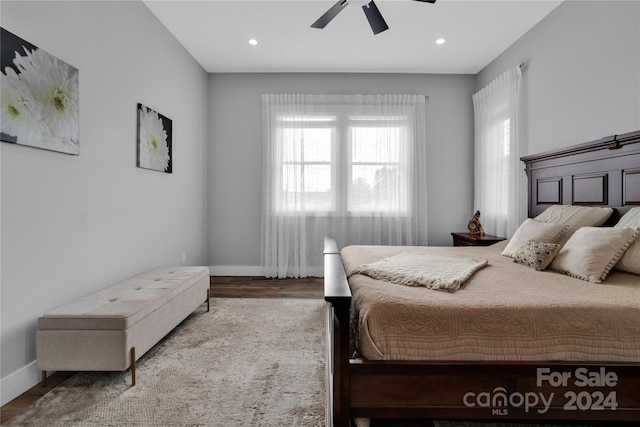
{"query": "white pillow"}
pixel 630 261
pixel 531 229
pixel 575 217
pixel 591 252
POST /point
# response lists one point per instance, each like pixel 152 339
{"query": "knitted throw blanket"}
pixel 417 269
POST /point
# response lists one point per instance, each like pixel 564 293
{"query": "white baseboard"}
pixel 249 270
pixel 16 383
pixel 235 270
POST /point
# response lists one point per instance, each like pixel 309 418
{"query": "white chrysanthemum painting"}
pixel 39 97
pixel 154 140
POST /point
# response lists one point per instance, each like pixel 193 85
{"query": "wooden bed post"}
pixel 340 378
pixel 338 297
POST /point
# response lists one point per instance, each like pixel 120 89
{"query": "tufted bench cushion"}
pixel 126 303
pixel 98 331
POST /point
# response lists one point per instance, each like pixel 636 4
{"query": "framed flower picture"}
pixel 39 97
pixel 154 140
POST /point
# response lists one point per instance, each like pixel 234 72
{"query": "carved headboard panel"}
pixel 605 172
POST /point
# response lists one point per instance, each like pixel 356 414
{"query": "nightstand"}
pixel 466 239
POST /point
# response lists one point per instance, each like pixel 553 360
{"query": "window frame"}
pixel 340 119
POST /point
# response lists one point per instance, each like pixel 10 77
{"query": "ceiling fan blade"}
pixel 427 1
pixel 376 20
pixel 330 14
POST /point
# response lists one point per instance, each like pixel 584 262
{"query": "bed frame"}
pixel 605 172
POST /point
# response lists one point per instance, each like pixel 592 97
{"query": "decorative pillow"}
pixel 531 229
pixel 537 255
pixel 574 217
pixel 592 252
pixel 579 216
pixel 630 261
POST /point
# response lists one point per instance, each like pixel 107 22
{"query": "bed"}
pixel 549 347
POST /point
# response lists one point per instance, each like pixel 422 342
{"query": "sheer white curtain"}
pixel 347 166
pixel 500 181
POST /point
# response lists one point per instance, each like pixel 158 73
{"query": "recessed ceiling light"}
pixel 440 41
pixel 253 42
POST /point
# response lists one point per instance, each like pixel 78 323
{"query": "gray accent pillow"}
pixel 537 255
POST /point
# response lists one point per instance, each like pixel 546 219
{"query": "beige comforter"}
pixel 506 311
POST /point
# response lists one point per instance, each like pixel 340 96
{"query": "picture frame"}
pixel 39 97
pixel 154 140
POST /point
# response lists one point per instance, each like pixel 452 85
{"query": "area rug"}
pixel 247 362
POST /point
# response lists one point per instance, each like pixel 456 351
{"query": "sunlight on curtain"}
pixel 347 166
pixel 500 181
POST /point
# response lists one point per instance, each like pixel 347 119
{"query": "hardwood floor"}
pixel 221 287
pixel 28 398
pixel 261 287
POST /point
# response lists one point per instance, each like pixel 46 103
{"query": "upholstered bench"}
pixel 110 329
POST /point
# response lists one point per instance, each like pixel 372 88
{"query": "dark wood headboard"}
pixel 605 172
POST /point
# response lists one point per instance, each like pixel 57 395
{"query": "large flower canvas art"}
pixel 154 140
pixel 39 97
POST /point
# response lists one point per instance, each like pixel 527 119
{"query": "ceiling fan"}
pixel 376 21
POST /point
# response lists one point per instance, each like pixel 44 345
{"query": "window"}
pixel 348 166
pixel 497 203
pixel 500 188
pixel 306 172
pixel 378 182
pixel 342 163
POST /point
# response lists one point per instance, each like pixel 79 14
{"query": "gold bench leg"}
pixel 44 378
pixel 133 366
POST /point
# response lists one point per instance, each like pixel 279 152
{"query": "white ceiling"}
pixel 216 33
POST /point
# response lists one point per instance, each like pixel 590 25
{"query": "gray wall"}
pixel 74 224
pixel 582 73
pixel 235 155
